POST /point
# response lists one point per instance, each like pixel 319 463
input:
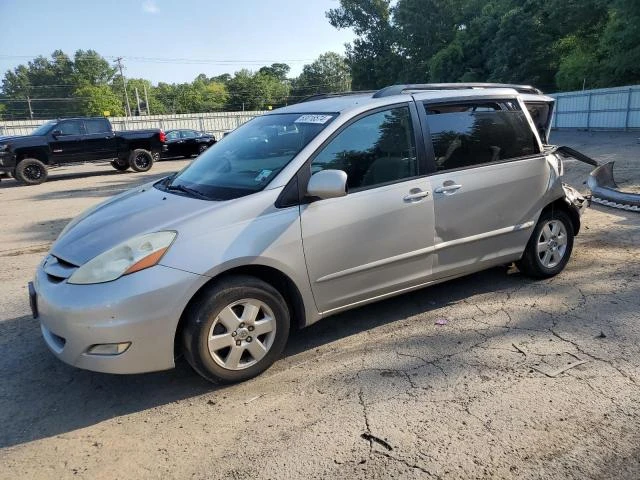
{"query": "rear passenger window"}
pixel 468 134
pixel 376 149
pixel 97 126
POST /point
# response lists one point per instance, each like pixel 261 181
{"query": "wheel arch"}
pixel 140 144
pixel 274 277
pixel 37 153
pixel 562 204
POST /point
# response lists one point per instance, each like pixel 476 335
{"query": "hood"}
pixel 135 212
pixel 9 138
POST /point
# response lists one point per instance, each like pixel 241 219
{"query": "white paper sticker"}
pixel 313 119
pixel 264 174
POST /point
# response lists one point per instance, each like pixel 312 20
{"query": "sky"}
pixel 172 40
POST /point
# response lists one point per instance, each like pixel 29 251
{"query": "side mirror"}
pixel 56 133
pixel 328 184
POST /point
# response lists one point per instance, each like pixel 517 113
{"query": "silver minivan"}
pixel 301 213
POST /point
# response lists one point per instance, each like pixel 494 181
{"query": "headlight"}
pixel 4 147
pixel 131 256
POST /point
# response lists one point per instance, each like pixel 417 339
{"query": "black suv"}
pixel 72 140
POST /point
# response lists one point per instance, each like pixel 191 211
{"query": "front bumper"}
pixel 7 161
pixel 142 308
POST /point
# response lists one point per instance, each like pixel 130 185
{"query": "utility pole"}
pixel 146 99
pixel 124 84
pixel 138 101
pixel 29 103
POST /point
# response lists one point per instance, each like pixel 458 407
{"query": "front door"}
pixel 190 142
pixel 65 145
pixel 489 179
pixel 175 144
pixel 378 238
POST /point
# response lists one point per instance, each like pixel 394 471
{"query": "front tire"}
pixel 549 247
pixel 235 329
pixel 31 171
pixel 140 160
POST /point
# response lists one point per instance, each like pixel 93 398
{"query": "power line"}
pixel 185 60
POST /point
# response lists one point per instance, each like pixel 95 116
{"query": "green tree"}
pixel 156 106
pixel 328 73
pixel 277 70
pixel 374 57
pixel 620 44
pixel 256 91
pixel 215 97
pixel 89 68
pixel 97 99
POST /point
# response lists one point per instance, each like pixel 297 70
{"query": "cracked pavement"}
pixel 527 379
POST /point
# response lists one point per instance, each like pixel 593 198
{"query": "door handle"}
pixel 416 194
pixel 448 188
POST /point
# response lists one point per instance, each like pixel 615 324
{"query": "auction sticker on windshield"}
pixel 313 119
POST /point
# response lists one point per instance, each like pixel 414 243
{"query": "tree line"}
pixel 556 45
pixel 88 84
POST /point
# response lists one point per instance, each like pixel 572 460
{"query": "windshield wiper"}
pixel 187 190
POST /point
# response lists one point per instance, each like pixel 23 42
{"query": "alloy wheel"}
pixel 552 243
pixel 142 161
pixel 242 334
pixel 33 172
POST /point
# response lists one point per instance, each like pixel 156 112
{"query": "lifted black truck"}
pixel 75 140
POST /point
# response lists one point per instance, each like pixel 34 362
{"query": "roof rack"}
pixel 399 89
pixel 320 96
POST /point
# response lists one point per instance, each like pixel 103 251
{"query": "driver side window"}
pixel 374 150
pixel 71 127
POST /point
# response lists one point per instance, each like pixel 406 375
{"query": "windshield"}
pixel 44 128
pixel 247 159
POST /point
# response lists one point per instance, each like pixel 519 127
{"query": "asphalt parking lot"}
pixel 522 379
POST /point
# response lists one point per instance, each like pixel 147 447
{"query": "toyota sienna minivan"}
pixel 304 212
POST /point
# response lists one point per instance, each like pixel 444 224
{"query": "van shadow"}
pixel 42 397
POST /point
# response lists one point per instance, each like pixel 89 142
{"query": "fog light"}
pixel 109 348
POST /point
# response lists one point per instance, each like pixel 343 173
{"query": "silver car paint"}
pixel 143 309
pixel 361 247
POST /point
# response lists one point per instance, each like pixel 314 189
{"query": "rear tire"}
pixel 549 247
pixel 235 329
pixel 140 160
pixel 31 171
pixel 120 165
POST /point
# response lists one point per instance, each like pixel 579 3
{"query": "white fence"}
pixel 215 123
pixel 602 109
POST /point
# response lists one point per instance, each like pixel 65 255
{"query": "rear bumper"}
pixel 143 309
pixel 575 199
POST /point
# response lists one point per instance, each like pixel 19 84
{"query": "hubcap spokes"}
pixel 552 243
pixel 242 334
pixel 32 172
pixel 142 161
